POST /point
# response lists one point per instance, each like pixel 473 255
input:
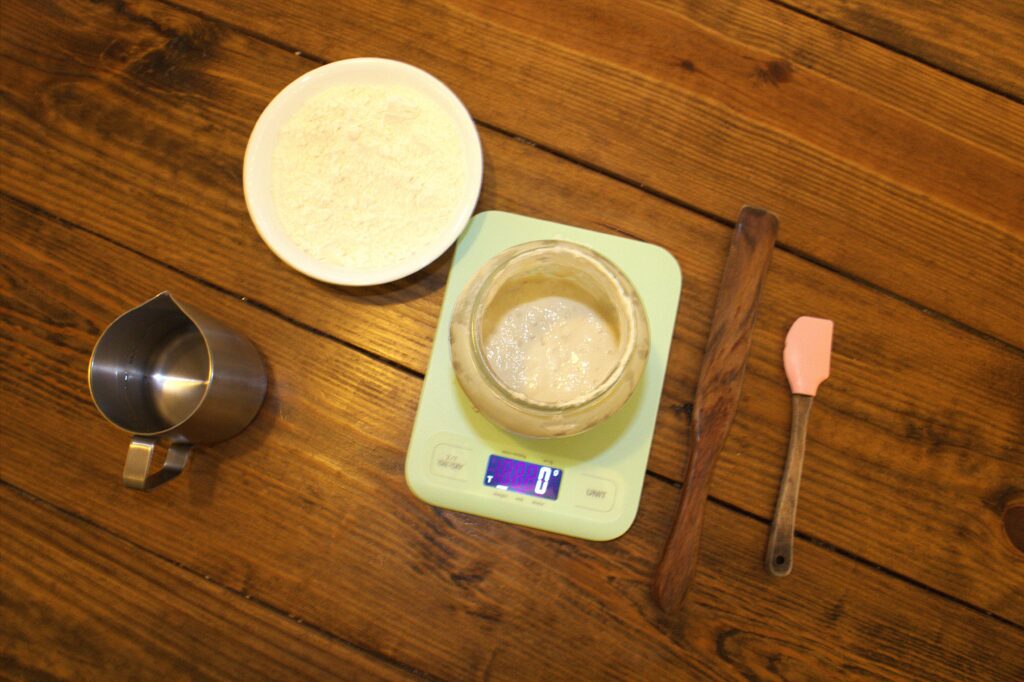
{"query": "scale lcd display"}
pixel 522 477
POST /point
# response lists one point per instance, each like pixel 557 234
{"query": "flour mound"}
pixel 366 176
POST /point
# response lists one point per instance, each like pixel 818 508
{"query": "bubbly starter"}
pixel 550 342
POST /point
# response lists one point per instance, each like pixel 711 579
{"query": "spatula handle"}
pixel 718 394
pixel 778 558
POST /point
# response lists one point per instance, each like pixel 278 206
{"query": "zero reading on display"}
pixel 517 476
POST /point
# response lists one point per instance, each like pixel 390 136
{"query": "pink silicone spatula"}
pixel 806 358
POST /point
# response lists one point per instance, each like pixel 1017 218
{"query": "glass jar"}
pixel 549 339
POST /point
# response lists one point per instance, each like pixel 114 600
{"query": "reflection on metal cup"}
pixel 165 370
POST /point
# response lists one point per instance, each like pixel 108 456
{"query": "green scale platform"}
pixel 597 476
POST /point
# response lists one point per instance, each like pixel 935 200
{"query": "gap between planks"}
pixel 55 509
pixel 903 53
pixel 721 220
pixel 32 208
pixel 835 549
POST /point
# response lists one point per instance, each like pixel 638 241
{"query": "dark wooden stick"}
pixel 718 394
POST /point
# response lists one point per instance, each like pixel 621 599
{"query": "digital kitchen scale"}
pixel 587 485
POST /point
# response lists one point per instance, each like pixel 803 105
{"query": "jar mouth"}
pixel 597 272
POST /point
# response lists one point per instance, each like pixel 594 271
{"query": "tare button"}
pixel 450 461
pixel 595 493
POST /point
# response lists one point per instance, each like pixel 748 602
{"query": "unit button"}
pixel 595 493
pixel 450 461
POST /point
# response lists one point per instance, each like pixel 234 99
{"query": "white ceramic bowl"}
pixel 257 180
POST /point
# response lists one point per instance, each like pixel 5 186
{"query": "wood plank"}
pixel 308 511
pixel 975 39
pixel 914 404
pixel 715 123
pixel 78 603
pixel 949 104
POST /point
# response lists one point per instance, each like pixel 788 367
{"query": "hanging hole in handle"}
pixel 779 560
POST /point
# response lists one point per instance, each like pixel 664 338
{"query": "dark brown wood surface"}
pixel 968 38
pixel 69 586
pixel 899 188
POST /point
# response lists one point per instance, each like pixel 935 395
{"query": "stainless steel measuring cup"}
pixel 165 370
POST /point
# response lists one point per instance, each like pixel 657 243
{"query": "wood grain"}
pixel 102 97
pixel 78 603
pixel 308 512
pixel 928 95
pixel 844 171
pixel 920 406
pixel 979 40
pixel 718 395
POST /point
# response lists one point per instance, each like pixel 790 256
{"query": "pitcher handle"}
pixel 140 456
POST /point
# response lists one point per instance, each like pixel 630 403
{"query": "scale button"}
pixel 595 493
pixel 450 461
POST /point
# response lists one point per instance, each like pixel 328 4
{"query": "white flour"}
pixel 365 176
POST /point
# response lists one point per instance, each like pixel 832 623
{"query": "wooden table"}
pixel 889 138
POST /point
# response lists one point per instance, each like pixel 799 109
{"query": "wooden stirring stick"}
pixel 807 358
pixel 718 394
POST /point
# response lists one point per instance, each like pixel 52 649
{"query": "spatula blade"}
pixel 808 352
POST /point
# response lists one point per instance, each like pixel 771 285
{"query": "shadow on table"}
pixel 419 284
pixel 207 459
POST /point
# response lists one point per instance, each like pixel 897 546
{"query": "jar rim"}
pixel 625 297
